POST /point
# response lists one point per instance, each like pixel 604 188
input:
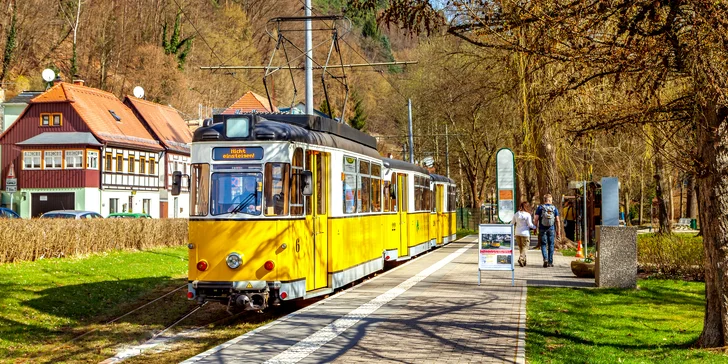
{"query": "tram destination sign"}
pixel 237 153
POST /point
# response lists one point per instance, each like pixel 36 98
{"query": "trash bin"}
pixel 694 224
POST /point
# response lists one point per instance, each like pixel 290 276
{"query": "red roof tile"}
pixel 94 106
pixel 251 102
pixel 165 122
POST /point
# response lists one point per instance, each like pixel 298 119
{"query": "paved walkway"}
pixel 430 310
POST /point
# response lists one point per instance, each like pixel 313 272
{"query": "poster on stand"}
pixel 495 247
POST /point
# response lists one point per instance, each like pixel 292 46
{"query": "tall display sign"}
pixel 495 249
pixel 505 174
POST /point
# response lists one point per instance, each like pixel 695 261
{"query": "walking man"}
pixel 547 219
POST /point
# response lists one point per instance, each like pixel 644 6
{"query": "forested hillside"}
pixel 160 44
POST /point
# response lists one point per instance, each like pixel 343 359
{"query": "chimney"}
pixel 57 80
pixel 77 80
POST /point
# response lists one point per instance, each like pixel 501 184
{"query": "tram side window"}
pixel 419 194
pixel 393 203
pixel 376 189
pixel 451 198
pixel 200 189
pixel 296 193
pixel 349 185
pixel 364 187
pixel 276 189
pixel 386 198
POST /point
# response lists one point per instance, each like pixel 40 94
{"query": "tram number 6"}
pixel 298 246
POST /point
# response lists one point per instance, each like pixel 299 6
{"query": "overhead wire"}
pixel 212 49
pixel 362 56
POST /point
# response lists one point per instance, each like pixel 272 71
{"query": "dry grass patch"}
pixel 22 240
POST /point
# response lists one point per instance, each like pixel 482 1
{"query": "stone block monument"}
pixel 616 260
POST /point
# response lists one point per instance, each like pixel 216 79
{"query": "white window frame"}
pixel 92 156
pixel 56 159
pixel 78 155
pixel 36 160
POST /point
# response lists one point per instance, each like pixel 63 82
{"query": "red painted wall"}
pixel 28 126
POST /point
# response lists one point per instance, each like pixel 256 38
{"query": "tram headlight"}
pixel 234 260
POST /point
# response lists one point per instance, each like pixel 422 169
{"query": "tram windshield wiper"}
pixel 239 207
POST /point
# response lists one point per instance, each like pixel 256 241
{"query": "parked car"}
pixel 71 214
pixel 128 215
pixel 6 213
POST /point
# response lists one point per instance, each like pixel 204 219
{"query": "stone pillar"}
pixel 616 260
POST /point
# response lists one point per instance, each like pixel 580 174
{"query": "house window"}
pixel 92 159
pixel 74 159
pixel 146 204
pixel 108 160
pixel 119 163
pixel 152 166
pixel 48 119
pixel 53 159
pixel 113 205
pixel 31 160
pixel 131 164
pixel 142 165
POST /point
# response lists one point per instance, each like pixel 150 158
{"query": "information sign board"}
pixel 495 248
pixel 506 185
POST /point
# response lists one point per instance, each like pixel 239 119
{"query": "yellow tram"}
pixel 287 207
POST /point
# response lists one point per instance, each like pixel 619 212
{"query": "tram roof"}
pixel 398 164
pixel 439 178
pixel 313 123
pixel 278 127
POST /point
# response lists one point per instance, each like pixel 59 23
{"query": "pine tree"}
pixel 359 120
pixel 324 108
pixel 9 44
pixel 173 45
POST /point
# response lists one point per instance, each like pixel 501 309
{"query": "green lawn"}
pixel 46 303
pixel 658 322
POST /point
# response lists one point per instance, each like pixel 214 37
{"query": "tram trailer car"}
pixel 286 207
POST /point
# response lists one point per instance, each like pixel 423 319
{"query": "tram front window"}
pixel 234 193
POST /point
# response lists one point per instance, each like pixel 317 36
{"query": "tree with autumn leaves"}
pixel 668 59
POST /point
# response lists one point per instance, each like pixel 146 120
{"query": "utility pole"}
pixel 447 153
pixel 411 138
pixel 309 61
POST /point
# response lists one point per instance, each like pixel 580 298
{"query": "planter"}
pixel 582 270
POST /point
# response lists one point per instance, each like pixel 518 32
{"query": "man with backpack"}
pixel 547 219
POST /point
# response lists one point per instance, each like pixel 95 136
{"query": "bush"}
pixel 45 238
pixel 674 256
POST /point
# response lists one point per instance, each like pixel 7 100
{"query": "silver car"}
pixel 71 214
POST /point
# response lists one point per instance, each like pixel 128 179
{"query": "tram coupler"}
pixel 251 301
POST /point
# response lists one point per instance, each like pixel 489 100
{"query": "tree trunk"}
pixel 546 165
pixel 712 184
pixel 627 218
pixel 671 198
pixel 692 199
pixel 664 227
pixel 642 190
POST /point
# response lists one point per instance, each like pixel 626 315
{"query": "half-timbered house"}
pixel 167 126
pixel 76 147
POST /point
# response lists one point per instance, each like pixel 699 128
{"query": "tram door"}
pixel 403 228
pixel 317 212
pixel 441 215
